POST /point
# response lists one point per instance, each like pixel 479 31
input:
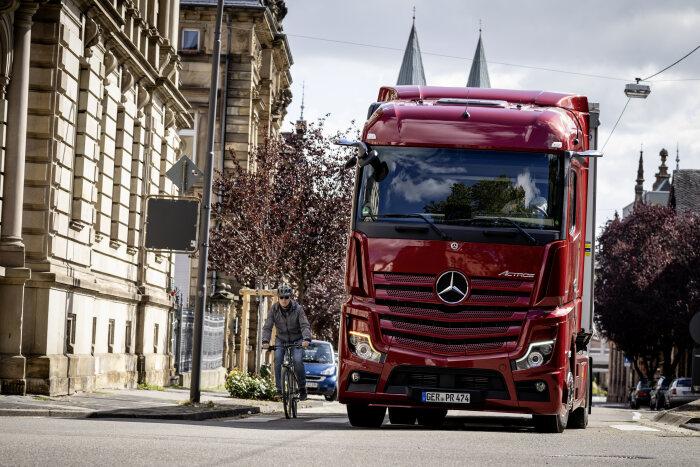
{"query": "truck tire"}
pixel 364 416
pixel 431 418
pixel 402 416
pixel 578 419
pixel 550 423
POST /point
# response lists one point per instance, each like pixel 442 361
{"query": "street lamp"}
pixel 636 90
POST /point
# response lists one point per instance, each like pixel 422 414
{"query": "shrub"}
pixel 242 385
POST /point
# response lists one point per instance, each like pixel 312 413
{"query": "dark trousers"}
pixel 298 356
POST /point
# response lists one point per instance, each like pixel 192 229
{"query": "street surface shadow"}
pixel 335 422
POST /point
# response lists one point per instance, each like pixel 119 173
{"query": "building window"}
pixel 190 40
pixel 155 338
pixel 110 336
pixel 70 333
pixel 94 335
pixel 127 338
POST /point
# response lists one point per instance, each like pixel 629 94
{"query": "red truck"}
pixel 465 264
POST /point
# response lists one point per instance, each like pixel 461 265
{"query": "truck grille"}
pixel 406 377
pixel 413 317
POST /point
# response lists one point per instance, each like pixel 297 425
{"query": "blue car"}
pixel 321 370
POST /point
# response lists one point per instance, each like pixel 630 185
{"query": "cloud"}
pixel 424 190
pixel 615 39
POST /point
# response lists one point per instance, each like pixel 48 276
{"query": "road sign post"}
pixel 205 210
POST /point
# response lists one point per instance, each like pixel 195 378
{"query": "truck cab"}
pixel 465 262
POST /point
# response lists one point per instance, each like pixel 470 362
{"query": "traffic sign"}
pixel 694 327
pixel 184 174
pixel 171 224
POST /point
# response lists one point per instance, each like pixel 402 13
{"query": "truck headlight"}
pixel 361 345
pixel 328 371
pixel 538 353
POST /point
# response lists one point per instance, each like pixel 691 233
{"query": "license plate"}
pixel 311 384
pixel 447 397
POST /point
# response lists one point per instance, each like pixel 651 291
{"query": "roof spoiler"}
pixel 539 98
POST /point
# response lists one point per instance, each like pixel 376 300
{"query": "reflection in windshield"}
pixel 318 353
pixel 455 186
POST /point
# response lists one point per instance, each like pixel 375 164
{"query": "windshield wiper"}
pixel 496 220
pixel 427 220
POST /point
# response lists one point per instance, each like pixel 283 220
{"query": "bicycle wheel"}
pixel 286 393
pixel 293 393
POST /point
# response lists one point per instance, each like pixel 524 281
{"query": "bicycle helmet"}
pixel 284 290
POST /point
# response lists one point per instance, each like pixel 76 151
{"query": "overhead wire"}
pixel 616 122
pixel 516 65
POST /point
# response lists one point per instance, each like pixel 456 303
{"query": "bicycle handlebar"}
pixel 286 346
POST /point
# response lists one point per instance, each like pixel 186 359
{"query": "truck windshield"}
pixel 462 187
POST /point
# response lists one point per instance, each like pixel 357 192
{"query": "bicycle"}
pixel 290 384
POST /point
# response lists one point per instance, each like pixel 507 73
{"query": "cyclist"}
pixel 292 328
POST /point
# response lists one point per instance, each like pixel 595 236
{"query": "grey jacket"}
pixel 291 326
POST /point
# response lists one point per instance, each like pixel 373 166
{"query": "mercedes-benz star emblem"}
pixel 452 287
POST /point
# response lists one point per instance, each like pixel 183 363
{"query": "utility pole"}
pixel 204 213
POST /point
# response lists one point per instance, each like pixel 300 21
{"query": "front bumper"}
pixel 321 385
pixel 488 378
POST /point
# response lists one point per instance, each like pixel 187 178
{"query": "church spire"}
pixel 300 126
pixel 411 72
pixel 639 187
pixel 662 176
pixel 479 73
pixel 678 159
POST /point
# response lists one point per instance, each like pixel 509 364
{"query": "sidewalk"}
pixel 171 404
pixel 685 416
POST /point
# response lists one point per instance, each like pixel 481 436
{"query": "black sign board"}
pixel 172 224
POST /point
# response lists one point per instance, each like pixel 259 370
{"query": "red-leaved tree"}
pixel 648 284
pixel 288 219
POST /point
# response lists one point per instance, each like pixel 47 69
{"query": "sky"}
pixel 618 40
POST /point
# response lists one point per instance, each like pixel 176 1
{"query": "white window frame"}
pixel 199 39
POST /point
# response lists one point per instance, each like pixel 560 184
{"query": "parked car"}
pixel 640 395
pixel 321 369
pixel 680 392
pixel 658 393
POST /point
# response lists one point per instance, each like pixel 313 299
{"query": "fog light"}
pixel 540 386
pixel 355 377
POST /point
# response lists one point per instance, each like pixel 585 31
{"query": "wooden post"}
pixel 245 318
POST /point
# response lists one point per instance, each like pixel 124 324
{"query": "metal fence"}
pixel 212 342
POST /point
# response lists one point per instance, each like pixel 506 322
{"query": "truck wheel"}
pixel 431 418
pixel 364 416
pixel 550 423
pixel 402 416
pixel 578 419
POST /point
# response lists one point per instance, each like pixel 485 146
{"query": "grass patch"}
pixel 43 398
pixel 150 387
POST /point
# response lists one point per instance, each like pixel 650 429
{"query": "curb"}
pixel 153 414
pixel 43 413
pixel 167 415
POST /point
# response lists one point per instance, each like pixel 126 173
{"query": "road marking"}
pixel 633 428
pixel 636 416
pixel 253 419
pixel 330 420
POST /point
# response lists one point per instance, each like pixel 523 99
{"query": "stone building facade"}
pixel 90 112
pixel 253 98
pixel 254 82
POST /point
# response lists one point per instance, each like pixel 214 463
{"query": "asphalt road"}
pixel 322 436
